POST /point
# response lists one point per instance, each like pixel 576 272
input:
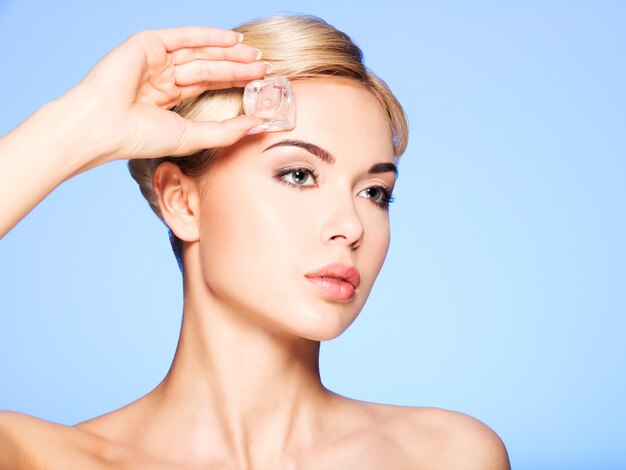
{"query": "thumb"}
pixel 199 135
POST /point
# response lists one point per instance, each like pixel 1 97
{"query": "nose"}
pixel 342 223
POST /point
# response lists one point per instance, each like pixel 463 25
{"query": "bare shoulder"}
pixel 29 442
pixel 391 436
pixel 447 439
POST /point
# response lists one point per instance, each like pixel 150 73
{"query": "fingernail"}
pixel 259 54
pixel 268 67
pixel 258 129
pixel 240 37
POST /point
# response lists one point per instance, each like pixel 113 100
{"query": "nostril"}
pixel 343 224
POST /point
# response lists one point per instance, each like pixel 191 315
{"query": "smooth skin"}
pixel 244 390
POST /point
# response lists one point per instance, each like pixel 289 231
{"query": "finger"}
pixel 192 91
pixel 202 135
pixel 206 71
pixel 197 36
pixel 237 53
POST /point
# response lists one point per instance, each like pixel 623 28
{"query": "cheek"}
pixel 383 249
pixel 251 226
pixel 375 243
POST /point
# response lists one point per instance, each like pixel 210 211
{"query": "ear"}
pixel 178 199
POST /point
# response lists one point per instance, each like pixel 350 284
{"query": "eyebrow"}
pixel 327 157
pixel 319 152
pixel 384 168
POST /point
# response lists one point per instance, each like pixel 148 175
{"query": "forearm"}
pixel 39 155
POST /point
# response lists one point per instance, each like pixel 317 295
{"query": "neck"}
pixel 237 384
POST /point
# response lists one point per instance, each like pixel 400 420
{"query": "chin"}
pixel 326 324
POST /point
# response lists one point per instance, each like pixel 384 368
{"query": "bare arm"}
pixel 120 110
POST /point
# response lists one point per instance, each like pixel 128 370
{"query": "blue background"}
pixel 503 295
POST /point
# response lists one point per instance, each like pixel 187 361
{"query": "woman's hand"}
pixel 120 110
pixel 128 93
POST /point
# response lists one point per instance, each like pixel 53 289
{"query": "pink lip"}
pixel 336 281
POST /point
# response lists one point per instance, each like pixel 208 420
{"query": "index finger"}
pixel 197 36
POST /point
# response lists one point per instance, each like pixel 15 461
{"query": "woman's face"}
pixel 294 225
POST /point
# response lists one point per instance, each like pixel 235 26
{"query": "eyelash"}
pixel 384 203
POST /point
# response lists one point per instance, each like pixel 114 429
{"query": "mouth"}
pixel 336 281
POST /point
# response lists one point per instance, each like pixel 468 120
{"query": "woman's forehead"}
pixel 338 120
pixel 341 116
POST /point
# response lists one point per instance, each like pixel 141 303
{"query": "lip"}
pixel 336 281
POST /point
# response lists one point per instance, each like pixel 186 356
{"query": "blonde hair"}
pixel 298 47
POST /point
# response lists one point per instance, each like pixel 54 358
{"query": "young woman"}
pixel 280 236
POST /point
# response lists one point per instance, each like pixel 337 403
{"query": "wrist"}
pixel 77 125
pixel 71 124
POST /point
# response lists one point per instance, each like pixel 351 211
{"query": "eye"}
pixel 301 177
pixel 379 195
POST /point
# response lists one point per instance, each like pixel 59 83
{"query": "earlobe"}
pixel 177 196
